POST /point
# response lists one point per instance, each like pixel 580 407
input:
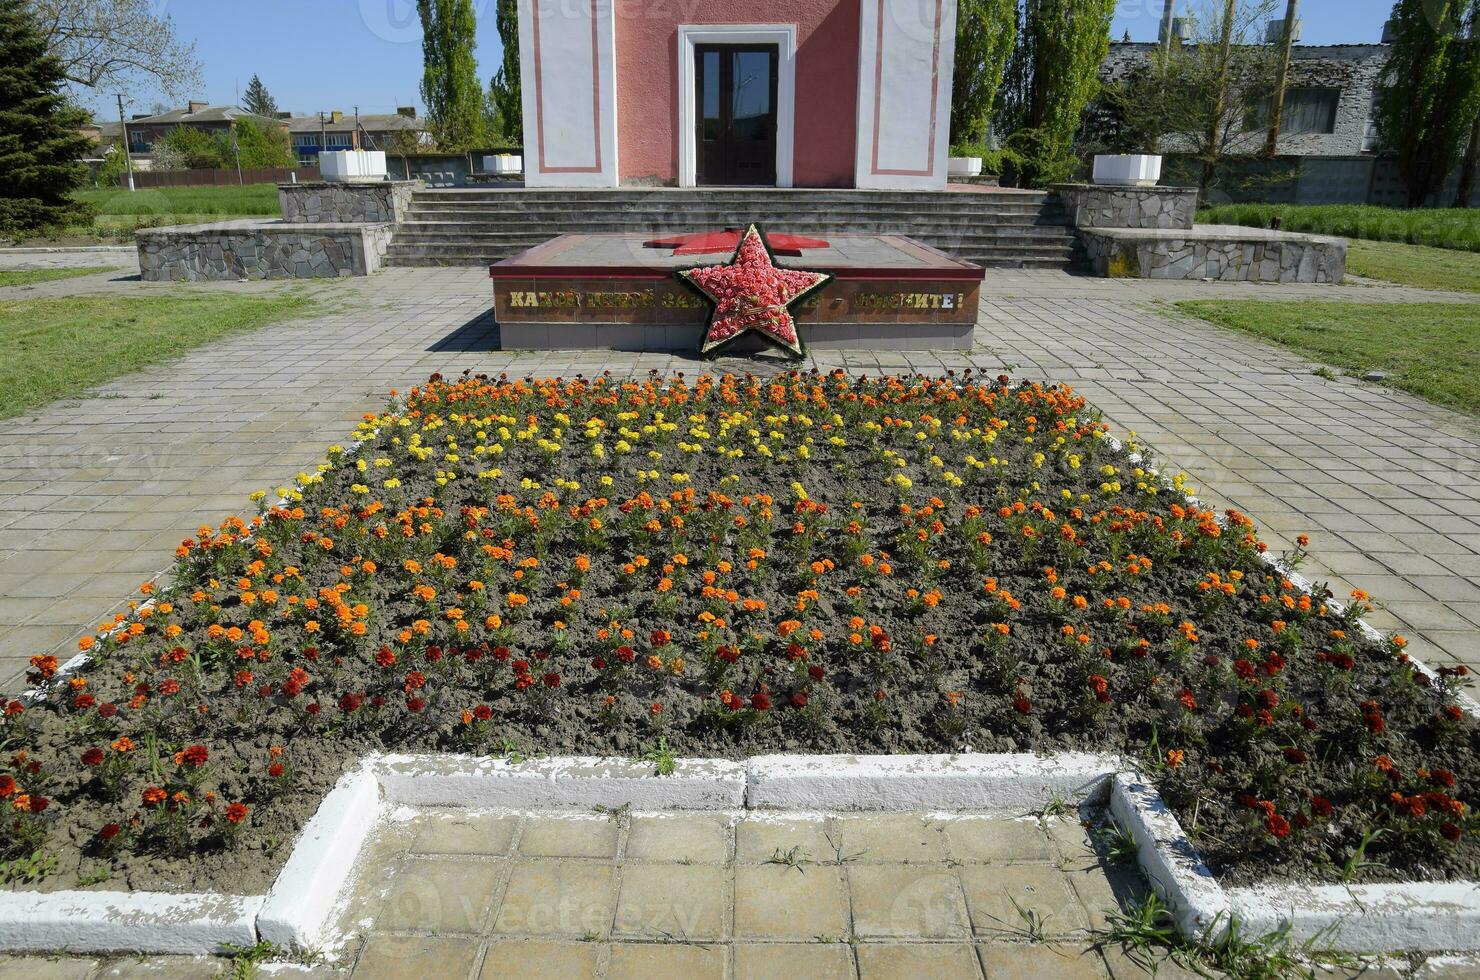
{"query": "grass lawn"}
pixel 27 277
pixel 1415 265
pixel 52 348
pixel 220 200
pixel 1429 349
pixel 1457 228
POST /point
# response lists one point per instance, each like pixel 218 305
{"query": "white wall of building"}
pixel 907 50
pixel 567 58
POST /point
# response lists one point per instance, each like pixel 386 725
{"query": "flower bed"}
pixel 723 567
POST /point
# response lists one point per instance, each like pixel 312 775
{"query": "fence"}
pixel 206 178
pixel 439 169
pixel 1364 179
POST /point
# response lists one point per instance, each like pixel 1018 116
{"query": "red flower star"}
pixel 752 293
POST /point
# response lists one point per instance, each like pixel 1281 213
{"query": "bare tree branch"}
pixel 121 45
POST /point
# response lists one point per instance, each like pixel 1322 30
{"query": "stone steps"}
pixel 481 226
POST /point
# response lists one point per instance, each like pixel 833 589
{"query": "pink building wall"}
pixel 826 83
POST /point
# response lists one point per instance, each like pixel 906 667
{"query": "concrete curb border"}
pixel 298 912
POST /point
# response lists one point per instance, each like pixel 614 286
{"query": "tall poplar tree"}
pixel 1052 76
pixel 504 89
pixel 986 32
pixel 449 81
pixel 41 144
pixel 1429 91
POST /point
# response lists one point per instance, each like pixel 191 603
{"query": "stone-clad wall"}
pixel 261 250
pixel 1095 206
pixel 1217 253
pixel 322 202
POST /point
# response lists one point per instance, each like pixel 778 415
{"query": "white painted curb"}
pixel 298 908
pixel 569 781
pixel 1437 915
pixel 1018 782
pixel 1167 858
pixel 108 922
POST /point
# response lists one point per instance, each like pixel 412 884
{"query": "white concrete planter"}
pixel 504 163
pixel 1127 169
pixel 964 167
pixel 345 165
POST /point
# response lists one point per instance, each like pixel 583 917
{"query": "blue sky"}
pixel 333 54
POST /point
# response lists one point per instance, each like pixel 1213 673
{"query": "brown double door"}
pixel 736 100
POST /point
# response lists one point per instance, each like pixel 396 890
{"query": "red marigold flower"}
pixel 236 812
pixel 598 663
pixel 107 709
pixel 84 701
pixel 414 705
pixel 39 804
pixel 552 679
pixel 1243 669
pixel 1022 705
pixel 92 757
pixel 7 787
pixel 760 701
pixel 1321 806
pixel 243 678
pixel 1443 777
pixel 14 708
pixel 1294 755
pixel 483 712
pixel 153 796
pixel 275 770
pixel 1277 825
pixel 660 638
pixel 350 703
pixel 385 657
pixel 110 831
pixel 626 654
pixel 799 699
pixel 314 708
pixel 195 756
pixel 1450 831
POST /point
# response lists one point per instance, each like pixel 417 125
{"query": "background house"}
pixel 338 131
pixel 145 129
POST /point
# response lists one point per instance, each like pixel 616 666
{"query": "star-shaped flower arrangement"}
pixel 752 293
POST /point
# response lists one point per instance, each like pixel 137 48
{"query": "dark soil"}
pixel 726 613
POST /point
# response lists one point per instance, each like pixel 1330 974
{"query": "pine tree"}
pixel 41 146
pixel 1430 90
pixel 503 90
pixel 449 82
pixel 258 100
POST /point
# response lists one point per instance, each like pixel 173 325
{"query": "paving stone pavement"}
pixel 96 492
pixel 477 895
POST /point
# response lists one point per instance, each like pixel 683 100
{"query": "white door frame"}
pixel 784 36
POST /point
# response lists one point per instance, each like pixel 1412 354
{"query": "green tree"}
pixel 449 81
pixel 986 32
pixel 1051 77
pixel 258 100
pixel 504 96
pixel 196 149
pixel 263 144
pixel 41 145
pixel 1429 91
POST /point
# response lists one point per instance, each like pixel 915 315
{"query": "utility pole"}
pixel 236 148
pixel 128 159
pixel 1167 16
pixel 1277 104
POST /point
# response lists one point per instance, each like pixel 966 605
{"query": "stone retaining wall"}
pixel 260 250
pixel 1096 206
pixel 1216 252
pixel 322 202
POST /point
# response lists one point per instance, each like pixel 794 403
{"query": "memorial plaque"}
pixel 609 290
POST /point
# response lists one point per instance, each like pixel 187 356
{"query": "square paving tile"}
pixel 916 961
pixel 437 895
pixel 1020 900
pixel 538 958
pixel 567 836
pixel 977 839
pixel 459 832
pixel 700 837
pixel 672 901
pixel 891 838
pixel 759 839
pixel 666 961
pixel 891 900
pixel 557 898
pixel 1033 961
pixel 817 961
pixel 399 957
pixel 807 902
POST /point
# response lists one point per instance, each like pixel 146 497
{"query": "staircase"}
pixel 475 226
